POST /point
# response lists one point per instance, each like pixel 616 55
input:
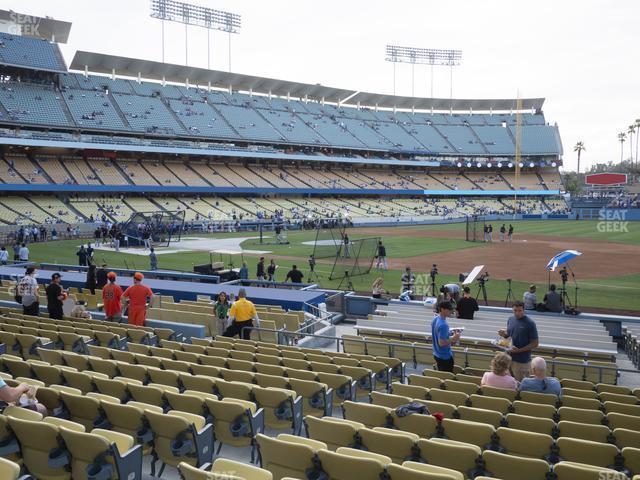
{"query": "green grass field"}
pixel 616 293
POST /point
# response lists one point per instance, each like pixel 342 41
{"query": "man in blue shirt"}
pixel 524 338
pixel 540 383
pixel 442 338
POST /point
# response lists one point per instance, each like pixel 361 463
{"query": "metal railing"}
pixel 286 337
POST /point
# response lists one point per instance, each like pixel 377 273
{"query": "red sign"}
pixel 606 179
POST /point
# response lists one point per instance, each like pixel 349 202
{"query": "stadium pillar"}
pixel 164 81
pixel 113 74
pixel 86 71
pixel 209 86
pixel 251 92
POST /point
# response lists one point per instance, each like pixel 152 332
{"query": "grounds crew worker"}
pixel 242 314
pixel 136 297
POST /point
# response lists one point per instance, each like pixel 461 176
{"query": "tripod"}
pixel 432 287
pixel 509 293
pixel 312 270
pixel 346 278
pixel 482 289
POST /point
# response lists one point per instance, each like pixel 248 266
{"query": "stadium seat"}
pixel 369 415
pixel 9 470
pixel 285 458
pixel 283 408
pixel 236 422
pixel 525 444
pixel 347 463
pixel 594 433
pixel 578 471
pixel 587 452
pixel 513 467
pixel 130 419
pixel 527 423
pixel 478 434
pixel 40 448
pixel 533 409
pixel 480 415
pixel 102 454
pixel 333 432
pixel 421 471
pixel 396 444
pixel 180 437
pixel 593 417
pixel 459 456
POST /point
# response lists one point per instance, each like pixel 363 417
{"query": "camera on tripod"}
pixel 564 274
pixel 483 278
pixel 434 272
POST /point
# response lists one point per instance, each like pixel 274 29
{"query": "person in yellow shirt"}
pixel 242 314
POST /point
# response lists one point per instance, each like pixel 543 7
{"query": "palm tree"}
pixel 631 130
pixel 621 138
pixel 579 147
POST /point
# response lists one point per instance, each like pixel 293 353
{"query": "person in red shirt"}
pixel 136 296
pixel 111 294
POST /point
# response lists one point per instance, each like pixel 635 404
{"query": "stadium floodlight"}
pixel 424 56
pixel 195 15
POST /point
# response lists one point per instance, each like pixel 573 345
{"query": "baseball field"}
pixel 607 273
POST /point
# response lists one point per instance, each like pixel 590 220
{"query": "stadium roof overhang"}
pixel 37 27
pixel 151 70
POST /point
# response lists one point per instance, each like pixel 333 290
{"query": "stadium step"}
pixel 67 112
pixel 475 135
pixel 542 182
pixel 116 108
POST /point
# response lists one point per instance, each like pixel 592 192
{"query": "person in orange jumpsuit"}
pixel 136 297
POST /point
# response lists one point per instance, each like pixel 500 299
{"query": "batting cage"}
pixel 351 258
pixel 162 227
pixel 475 229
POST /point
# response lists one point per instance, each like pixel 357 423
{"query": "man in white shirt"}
pixel 4 256
pixel 23 254
pixel 28 291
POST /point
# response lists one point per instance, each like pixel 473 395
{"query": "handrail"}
pixel 428 348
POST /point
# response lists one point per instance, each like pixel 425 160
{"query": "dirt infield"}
pixel 525 258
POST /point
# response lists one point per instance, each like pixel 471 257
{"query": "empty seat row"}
pixel 369 374
pixel 616 428
pixel 501 399
pixel 514 442
pixel 336 447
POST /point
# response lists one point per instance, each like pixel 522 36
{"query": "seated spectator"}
pixel 529 298
pixel 23 396
pixel 539 382
pixel 499 375
pixel 552 300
